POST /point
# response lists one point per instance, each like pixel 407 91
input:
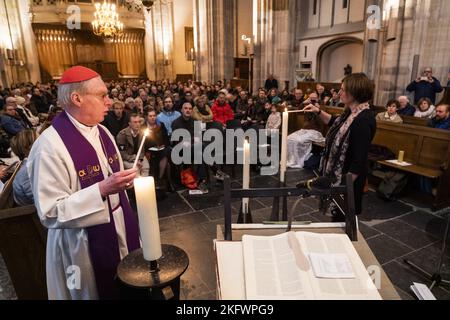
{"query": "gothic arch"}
pixel 335 44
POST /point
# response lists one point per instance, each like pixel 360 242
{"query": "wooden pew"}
pixel 23 245
pixel 427 149
pixel 415 121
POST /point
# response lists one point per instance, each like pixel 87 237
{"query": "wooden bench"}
pixel 427 149
pixel 415 121
pixel 23 246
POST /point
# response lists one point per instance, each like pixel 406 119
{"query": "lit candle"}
pixel 246 175
pixel 284 146
pixel 146 133
pixel 148 218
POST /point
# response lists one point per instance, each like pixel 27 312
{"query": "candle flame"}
pixel 146 133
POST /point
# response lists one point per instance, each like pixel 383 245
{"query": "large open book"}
pixel 279 267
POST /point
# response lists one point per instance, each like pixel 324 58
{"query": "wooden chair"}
pixel 22 245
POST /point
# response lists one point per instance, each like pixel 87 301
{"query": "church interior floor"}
pixel 394 231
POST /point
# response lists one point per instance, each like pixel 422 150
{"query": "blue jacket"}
pixel 167 117
pixel 424 89
pixel 408 111
pixel 440 124
pixel 11 125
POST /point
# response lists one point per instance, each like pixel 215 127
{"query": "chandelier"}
pixel 106 21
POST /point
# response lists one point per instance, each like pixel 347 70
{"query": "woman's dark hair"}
pixel 423 100
pixel 393 101
pixel 22 142
pixel 359 87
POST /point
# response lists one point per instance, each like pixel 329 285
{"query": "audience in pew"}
pixel 221 110
pixel 391 113
pixel 297 99
pixel 117 119
pixel 157 151
pixel 168 115
pixel 324 96
pixel 274 120
pixel 425 109
pixel 23 108
pixel 21 146
pixel 202 112
pixel 11 122
pixel 405 109
pixel 129 141
pixel 335 100
pixel 442 118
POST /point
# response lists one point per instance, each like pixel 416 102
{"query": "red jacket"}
pixel 223 113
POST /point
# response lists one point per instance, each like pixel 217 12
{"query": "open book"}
pixel 279 267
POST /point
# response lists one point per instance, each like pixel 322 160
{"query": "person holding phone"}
pixel 425 86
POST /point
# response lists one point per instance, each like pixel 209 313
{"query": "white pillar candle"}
pixel 146 133
pixel 283 163
pixel 148 218
pixel 246 175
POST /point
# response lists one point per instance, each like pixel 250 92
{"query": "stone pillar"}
pixel 214 39
pixel 421 40
pixel 29 41
pixel 371 41
pixel 276 51
pixel 202 30
pixel 149 46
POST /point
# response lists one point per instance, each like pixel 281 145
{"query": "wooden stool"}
pixel 138 283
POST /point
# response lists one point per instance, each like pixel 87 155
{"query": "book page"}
pixel 272 271
pixel 359 288
pixel 230 270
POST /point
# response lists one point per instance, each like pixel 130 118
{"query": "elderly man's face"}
pixel 442 113
pixel 95 104
pixel 403 102
pixel 187 110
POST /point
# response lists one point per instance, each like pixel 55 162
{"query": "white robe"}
pixel 66 211
pixel 300 147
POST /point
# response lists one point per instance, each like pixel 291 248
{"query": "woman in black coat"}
pixel 350 136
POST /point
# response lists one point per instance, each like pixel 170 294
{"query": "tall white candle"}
pixel 283 163
pixel 146 133
pixel 148 218
pixel 246 175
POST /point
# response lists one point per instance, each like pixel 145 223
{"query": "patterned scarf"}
pixel 337 144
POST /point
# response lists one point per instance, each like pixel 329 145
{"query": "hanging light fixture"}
pixel 106 21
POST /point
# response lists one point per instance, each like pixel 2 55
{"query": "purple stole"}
pixel 103 241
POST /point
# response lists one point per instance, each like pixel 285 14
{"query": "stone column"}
pixel 276 51
pixel 29 41
pixel 203 50
pixel 214 39
pixel 149 45
pixel 422 40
